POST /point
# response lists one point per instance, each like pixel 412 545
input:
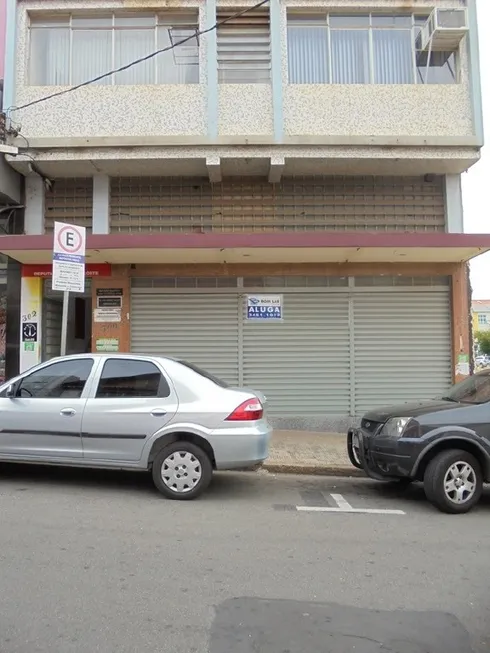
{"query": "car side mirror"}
pixel 11 391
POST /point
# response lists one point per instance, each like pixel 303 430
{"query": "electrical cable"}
pixel 140 60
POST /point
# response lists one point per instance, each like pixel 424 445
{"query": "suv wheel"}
pixel 453 481
pixel 181 471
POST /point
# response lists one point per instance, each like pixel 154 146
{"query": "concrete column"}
pixel 34 211
pixel 461 319
pixel 10 54
pixel 101 204
pixel 475 72
pixel 113 334
pixel 453 197
pixel 212 70
pixel 31 306
pixel 276 70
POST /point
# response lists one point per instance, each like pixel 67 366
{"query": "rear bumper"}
pixel 238 447
pixel 379 462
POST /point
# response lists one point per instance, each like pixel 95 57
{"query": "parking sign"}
pixel 69 257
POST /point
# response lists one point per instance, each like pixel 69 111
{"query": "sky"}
pixel 475 181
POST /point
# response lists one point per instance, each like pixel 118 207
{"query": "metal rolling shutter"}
pixel 402 347
pixel 202 329
pixel 302 363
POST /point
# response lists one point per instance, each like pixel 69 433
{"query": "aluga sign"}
pixel 264 307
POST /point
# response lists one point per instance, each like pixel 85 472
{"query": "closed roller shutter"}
pixel 302 363
pixel 202 329
pixel 402 344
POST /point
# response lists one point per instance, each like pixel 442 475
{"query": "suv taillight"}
pixel 248 411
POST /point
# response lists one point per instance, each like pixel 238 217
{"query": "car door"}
pixel 132 401
pixel 44 417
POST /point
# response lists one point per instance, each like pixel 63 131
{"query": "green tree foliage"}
pixel 483 339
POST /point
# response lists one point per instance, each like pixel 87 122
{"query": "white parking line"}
pixel 345 507
pixel 341 502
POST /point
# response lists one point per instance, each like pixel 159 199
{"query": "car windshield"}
pixel 206 375
pixel 473 390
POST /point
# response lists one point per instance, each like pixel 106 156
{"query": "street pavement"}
pixel 99 562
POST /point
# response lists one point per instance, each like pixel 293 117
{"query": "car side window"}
pixel 123 378
pixel 65 379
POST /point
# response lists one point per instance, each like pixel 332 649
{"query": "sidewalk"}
pixel 307 452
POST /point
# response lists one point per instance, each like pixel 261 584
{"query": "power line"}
pixel 140 60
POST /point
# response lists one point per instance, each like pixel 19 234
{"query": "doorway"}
pixel 79 332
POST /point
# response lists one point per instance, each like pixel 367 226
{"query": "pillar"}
pixel 109 334
pixel 30 336
pixel 34 205
pixel 212 70
pixel 276 70
pixel 453 200
pixel 461 317
pixel 101 204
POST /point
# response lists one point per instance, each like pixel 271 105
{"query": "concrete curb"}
pixel 318 470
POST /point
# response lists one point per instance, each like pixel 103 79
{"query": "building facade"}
pixel 10 222
pixel 277 199
pixel 480 311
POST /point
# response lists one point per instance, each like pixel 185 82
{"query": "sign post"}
pixel 68 267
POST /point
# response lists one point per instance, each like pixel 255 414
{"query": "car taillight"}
pixel 248 411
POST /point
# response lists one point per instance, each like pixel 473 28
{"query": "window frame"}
pixel 19 382
pixel 164 390
pixel 171 20
pixel 298 20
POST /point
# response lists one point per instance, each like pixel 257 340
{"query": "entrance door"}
pixel 133 401
pixel 44 419
pixel 51 331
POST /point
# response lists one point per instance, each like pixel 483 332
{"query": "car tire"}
pixel 181 471
pixel 440 485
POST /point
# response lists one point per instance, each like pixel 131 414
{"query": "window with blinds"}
pixel 244 47
pixel 70 49
pixel 363 49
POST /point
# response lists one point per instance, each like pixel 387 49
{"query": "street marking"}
pixel 341 502
pixel 344 506
pixel 357 511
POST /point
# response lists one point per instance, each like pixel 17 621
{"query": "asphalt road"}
pixel 98 562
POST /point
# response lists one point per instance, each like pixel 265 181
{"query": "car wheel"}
pixel 453 481
pixel 182 471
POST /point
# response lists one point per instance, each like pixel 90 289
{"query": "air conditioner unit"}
pixel 444 30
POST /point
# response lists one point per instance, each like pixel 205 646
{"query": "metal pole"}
pixel 64 322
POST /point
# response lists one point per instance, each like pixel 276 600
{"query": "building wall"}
pixel 435 111
pixel 248 205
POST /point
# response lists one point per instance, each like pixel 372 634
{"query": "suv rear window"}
pixel 206 375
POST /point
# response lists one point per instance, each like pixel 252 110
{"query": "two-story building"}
pixel 303 155
pixel 480 311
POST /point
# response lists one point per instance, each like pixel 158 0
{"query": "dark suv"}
pixel 444 442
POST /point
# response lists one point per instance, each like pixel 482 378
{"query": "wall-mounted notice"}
pixel 264 307
pixel 107 344
pixel 107 315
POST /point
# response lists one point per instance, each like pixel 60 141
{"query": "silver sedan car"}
pixel 124 411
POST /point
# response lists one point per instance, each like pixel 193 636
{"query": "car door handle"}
pixel 68 412
pixel 158 412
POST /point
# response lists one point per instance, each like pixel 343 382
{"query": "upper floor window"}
pixel 70 49
pixel 483 319
pixel 363 49
pixel 244 47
